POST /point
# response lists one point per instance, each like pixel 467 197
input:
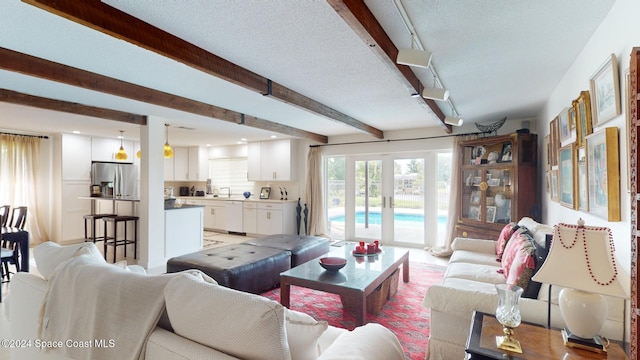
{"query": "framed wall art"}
pixel 564 125
pixel 572 117
pixel 584 126
pixel 583 184
pixel 605 92
pixel 547 153
pixel 567 168
pixel 554 141
pixel 554 185
pixel 603 174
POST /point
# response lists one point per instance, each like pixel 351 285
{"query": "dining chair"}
pixel 18 217
pixel 3 253
pixel 10 251
pixel 4 214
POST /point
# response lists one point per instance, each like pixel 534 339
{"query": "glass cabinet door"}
pixel 498 196
pixel 471 208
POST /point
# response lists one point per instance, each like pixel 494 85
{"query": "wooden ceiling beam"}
pixel 358 16
pixel 106 19
pixel 11 60
pixel 14 97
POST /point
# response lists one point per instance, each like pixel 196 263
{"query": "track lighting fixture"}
pixel 453 120
pixel 414 57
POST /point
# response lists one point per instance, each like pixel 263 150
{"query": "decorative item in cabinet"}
pixel 495 191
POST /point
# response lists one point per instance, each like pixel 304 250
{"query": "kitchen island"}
pixel 183 229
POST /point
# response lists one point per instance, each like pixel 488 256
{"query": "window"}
pixel 230 172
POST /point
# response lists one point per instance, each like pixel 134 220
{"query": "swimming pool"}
pixel 375 218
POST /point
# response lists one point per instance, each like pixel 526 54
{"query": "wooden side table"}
pixel 537 342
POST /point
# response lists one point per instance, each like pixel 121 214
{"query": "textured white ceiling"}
pixel 496 58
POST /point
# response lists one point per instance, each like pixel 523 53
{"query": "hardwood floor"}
pixel 415 255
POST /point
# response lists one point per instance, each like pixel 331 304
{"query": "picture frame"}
pixel 475 197
pixel 572 117
pixel 547 152
pixel 564 125
pixel 567 172
pixel 554 185
pixel 605 92
pixel 603 174
pixel 547 181
pixel 506 154
pixel 584 126
pixel 491 213
pixel 493 182
pixel 265 193
pixel 583 183
pixel 474 212
pixel 554 141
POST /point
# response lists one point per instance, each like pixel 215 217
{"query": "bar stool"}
pixel 94 218
pixel 114 241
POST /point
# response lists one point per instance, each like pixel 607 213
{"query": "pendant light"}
pixel 121 154
pixel 138 153
pixel 168 151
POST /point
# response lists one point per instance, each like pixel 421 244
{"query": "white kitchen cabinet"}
pixel 275 218
pixel 182 231
pixel 273 160
pixel 180 163
pixel 215 217
pixel 250 217
pixel 105 149
pixel 198 164
pixel 76 157
pixel 168 169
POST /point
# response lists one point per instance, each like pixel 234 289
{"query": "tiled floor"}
pixel 416 255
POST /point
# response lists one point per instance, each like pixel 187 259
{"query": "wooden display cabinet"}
pixel 498 183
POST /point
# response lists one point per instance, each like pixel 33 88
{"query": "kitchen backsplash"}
pixel 292 188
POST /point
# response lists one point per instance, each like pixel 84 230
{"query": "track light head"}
pixel 435 94
pixel 414 57
pixel 453 120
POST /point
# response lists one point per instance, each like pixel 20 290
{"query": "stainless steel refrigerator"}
pixel 115 179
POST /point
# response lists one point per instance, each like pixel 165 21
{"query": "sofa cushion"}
pixel 49 255
pixel 538 230
pixel 354 345
pixel 473 257
pixel 521 239
pixel 504 237
pixel 476 272
pixel 303 333
pixel 240 324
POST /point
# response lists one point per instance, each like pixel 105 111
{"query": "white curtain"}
pixel 454 200
pixel 19 163
pixel 317 224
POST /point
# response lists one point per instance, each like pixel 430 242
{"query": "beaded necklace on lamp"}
pixel 581 228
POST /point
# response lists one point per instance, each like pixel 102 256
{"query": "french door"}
pixel 392 198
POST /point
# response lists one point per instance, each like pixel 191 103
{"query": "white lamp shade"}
pixel 594 270
pixel 435 93
pixel 414 57
pixel 452 120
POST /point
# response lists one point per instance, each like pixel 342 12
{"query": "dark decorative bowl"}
pixel 333 263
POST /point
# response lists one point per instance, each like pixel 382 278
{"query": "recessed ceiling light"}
pixel 76 132
pixel 208 144
pixel 239 142
pixel 243 139
pixel 273 136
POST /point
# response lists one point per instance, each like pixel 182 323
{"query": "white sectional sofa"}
pixel 468 285
pixel 94 310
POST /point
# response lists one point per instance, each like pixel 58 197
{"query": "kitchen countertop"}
pixel 112 198
pixel 234 198
pixel 183 206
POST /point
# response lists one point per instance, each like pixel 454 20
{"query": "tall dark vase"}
pixel 298 217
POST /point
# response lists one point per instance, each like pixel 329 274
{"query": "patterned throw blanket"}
pixel 101 311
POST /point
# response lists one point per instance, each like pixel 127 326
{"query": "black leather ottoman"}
pixel 243 267
pixel 302 248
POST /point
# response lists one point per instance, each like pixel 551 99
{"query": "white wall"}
pixel 618 33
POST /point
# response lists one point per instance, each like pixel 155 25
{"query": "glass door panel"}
pixel 368 199
pixel 335 171
pixel 471 207
pixel 408 201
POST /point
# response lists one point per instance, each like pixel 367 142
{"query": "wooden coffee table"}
pixel 537 343
pixel 359 278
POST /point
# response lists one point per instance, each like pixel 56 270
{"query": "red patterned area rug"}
pixel 403 313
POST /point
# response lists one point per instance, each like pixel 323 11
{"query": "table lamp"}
pixel 582 261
